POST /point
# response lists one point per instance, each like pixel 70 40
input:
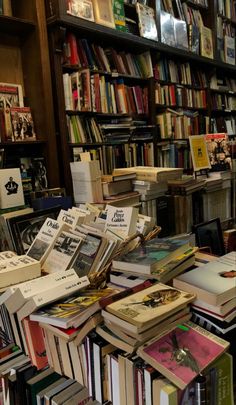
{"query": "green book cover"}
pixel 119 15
pixel 221 380
pixel 152 255
pixel 37 384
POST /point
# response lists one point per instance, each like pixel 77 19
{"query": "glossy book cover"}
pixel 181 354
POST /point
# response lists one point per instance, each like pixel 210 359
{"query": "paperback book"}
pixel 181 354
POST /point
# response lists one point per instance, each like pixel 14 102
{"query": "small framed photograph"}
pixel 103 13
pixel 81 8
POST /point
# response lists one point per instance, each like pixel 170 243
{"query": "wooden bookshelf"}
pixel 25 61
pixel 59 22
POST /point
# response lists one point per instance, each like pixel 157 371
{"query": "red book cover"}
pixel 73 56
pixel 97 93
pixel 181 354
pixel 35 343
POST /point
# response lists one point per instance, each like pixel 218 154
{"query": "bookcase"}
pixel 25 61
pixel 181 94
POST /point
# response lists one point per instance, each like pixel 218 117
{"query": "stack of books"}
pixel 214 286
pixel 160 258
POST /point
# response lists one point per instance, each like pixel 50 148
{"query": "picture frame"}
pixel 199 152
pixel 209 234
pixel 82 9
pixel 24 228
pixel 103 13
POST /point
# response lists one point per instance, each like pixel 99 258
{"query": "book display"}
pixel 135 340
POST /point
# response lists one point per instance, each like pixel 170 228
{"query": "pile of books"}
pixel 214 286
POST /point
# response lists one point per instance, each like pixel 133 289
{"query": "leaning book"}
pixel 182 353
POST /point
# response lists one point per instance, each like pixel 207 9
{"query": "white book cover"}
pixel 68 218
pixel 215 282
pixel 62 253
pixel 45 239
pixel 121 220
pixel 11 190
pixel 18 269
pixel 14 297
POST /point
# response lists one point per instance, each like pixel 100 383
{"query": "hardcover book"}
pixel 147 23
pixel 206 44
pixel 151 256
pixel 182 353
pixel 146 308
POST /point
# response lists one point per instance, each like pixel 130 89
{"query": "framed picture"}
pixel 81 8
pixel 24 228
pixel 103 13
pixel 199 152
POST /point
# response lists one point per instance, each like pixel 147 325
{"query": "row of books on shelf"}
pixel 222 83
pixel 181 73
pixel 225 41
pixel 81 53
pixel 179 96
pixel 93 92
pixel 223 102
pixel 16 122
pixel 180 124
pixel 227 9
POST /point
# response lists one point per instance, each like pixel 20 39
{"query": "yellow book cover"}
pixel 149 306
pixel 199 152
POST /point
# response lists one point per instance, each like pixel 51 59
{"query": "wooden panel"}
pixel 11 64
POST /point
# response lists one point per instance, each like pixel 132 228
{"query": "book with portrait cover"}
pixel 182 353
pixel 206 44
pixel 146 308
pixel 147 23
pixel 22 124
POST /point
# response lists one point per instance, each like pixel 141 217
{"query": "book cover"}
pixel 147 24
pixel 213 283
pixel 167 29
pixel 22 124
pixel 151 256
pixel 148 307
pixel 81 9
pixel 206 44
pixel 35 343
pixel 121 220
pixel 181 354
pixel 218 151
pixel 199 152
pixel 229 48
pixel 72 311
pixel 11 190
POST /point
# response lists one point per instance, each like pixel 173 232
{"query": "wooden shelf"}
pixel 112 75
pixel 15 26
pixel 22 143
pixel 184 107
pixel 109 115
pixel 188 86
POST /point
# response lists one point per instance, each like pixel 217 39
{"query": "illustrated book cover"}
pixel 182 353
pixel 148 307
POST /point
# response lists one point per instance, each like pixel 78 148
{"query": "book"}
pixel 121 220
pixel 45 239
pixel 82 9
pixel 206 44
pixel 18 269
pixel 200 348
pixel 147 23
pixel 146 308
pixel 157 174
pixel 118 177
pixel 22 124
pixel 151 256
pixel 35 343
pixel 63 252
pixel 11 191
pixel 72 311
pixel 213 283
pixel 164 392
pixel 116 187
pixel 16 296
pixel 229 48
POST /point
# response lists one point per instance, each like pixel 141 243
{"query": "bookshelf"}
pixel 25 61
pixel 196 115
